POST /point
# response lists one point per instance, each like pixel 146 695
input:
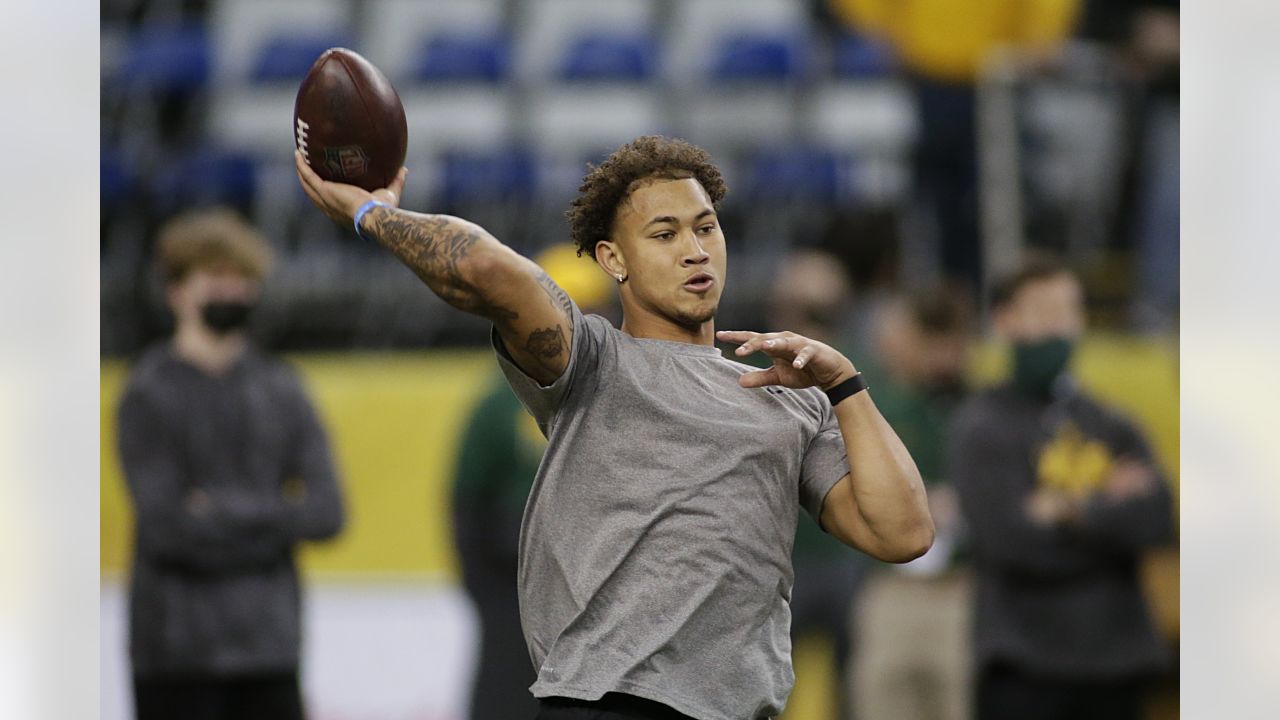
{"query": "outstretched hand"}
pixel 798 361
pixel 341 201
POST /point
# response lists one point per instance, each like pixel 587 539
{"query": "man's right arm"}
pixel 467 267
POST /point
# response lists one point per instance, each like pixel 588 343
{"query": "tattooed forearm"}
pixel 434 246
pixel 546 343
pixel 558 297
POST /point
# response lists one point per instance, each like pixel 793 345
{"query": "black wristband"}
pixel 852 386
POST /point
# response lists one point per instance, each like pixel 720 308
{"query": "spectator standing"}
pixel 1062 498
pixel 943 45
pixel 228 469
pixel 913 621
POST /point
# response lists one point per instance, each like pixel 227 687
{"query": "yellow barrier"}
pixel 394 421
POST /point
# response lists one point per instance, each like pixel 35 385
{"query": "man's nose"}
pixel 695 254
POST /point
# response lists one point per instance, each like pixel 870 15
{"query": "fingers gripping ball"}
pixel 348 121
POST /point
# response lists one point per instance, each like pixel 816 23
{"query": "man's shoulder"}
pixel 151 366
pixel 1091 410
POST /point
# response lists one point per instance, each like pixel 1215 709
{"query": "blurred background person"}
pixel 913 624
pixel 812 294
pixel 228 470
pixel 1142 37
pixel 1062 497
pixel 944 46
pixel 501 449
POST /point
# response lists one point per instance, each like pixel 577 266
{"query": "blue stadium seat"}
pixel 167 58
pixel 759 57
pixel 465 58
pixel 862 57
pixel 117 178
pixel 287 58
pixel 797 174
pixel 208 176
pixel 609 57
pixel 506 176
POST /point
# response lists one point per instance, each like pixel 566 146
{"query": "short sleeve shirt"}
pixel 655 551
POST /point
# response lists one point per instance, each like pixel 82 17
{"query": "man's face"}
pixel 1049 308
pixel 203 285
pixel 943 359
pixel 669 240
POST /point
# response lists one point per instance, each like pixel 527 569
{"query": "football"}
pixel 348 121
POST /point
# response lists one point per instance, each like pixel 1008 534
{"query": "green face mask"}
pixel 1037 364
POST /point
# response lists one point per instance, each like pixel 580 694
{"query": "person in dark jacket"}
pixel 228 469
pixel 1062 498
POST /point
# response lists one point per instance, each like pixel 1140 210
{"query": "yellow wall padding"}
pixel 394 421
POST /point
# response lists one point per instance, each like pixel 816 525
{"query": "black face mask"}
pixel 1036 365
pixel 226 316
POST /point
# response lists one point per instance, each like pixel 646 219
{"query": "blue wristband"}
pixel 360 215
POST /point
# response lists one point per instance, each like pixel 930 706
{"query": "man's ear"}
pixel 609 255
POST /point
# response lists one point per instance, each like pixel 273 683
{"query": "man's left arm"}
pixel 880 506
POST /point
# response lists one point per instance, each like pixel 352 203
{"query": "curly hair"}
pixel 651 157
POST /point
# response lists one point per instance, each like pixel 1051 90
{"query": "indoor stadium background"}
pixel 823 116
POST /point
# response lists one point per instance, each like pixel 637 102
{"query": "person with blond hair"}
pixel 228 468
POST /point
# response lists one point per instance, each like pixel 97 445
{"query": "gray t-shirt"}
pixel 655 553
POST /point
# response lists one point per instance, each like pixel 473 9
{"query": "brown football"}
pixel 348 121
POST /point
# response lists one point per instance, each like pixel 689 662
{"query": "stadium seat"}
pixel 508 175
pixel 436 40
pixel 760 57
pixel 592 66
pixel 496 188
pixel 609 57
pixel 164 58
pixel 463 58
pixel 797 175
pixel 698 31
pixel 557 35
pixel 208 176
pixel 287 58
pixel 117 179
pixel 245 32
pixel 449 61
pixel 855 56
pixel 737 67
pixel 263 49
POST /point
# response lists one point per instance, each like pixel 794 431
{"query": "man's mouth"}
pixel 699 283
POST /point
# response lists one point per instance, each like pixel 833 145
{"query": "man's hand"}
pixel 798 362
pixel 1048 507
pixel 1129 478
pixel 340 201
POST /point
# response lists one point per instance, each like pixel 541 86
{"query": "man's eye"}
pixel 706 228
pixel 665 235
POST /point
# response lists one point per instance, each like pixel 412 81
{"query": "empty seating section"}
pixel 506 102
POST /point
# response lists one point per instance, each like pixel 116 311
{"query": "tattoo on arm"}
pixel 558 297
pixel 433 246
pixel 546 343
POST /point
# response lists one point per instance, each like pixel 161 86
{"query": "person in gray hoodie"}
pixel 228 468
